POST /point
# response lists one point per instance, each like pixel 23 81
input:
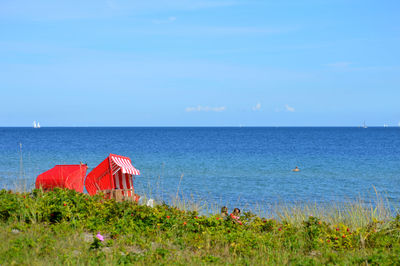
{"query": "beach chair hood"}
pixel 63 176
pixel 115 172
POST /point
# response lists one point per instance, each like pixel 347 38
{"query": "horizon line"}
pixel 199 126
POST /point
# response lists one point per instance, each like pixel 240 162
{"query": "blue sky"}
pixel 199 63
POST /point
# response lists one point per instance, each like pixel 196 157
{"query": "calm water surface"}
pixel 232 166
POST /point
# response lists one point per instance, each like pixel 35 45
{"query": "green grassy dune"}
pixel 60 227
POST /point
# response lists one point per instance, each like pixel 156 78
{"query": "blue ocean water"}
pixel 228 166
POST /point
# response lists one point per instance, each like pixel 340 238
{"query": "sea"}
pixel 234 166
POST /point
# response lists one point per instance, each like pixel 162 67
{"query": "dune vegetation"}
pixel 66 227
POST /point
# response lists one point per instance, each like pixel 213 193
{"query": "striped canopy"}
pixel 125 165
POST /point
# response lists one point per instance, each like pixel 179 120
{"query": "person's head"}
pixel 224 209
pixel 236 211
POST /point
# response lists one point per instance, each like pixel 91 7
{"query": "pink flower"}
pixel 184 223
pixel 100 237
pixel 168 217
pixel 65 204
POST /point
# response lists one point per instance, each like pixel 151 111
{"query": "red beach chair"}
pixel 113 177
pixel 63 176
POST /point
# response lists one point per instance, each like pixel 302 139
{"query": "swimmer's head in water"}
pixel 296 169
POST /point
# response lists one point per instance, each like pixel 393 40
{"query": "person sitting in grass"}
pixel 235 216
pixel 224 212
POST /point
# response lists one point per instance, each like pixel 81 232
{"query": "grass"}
pixel 354 214
pixel 59 227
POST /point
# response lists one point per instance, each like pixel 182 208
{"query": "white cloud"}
pixel 209 4
pixel 289 108
pixel 164 21
pixel 349 66
pixel 286 108
pixel 339 64
pixel 111 4
pixel 59 10
pixel 200 108
pixel 257 107
pixel 204 31
pixel 213 30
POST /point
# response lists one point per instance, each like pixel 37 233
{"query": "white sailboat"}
pixel 36 125
pixel 385 125
pixel 364 126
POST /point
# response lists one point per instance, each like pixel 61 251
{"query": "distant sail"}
pixel 34 124
pixel 38 125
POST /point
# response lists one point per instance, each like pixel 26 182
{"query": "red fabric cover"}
pixel 99 178
pixel 63 176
